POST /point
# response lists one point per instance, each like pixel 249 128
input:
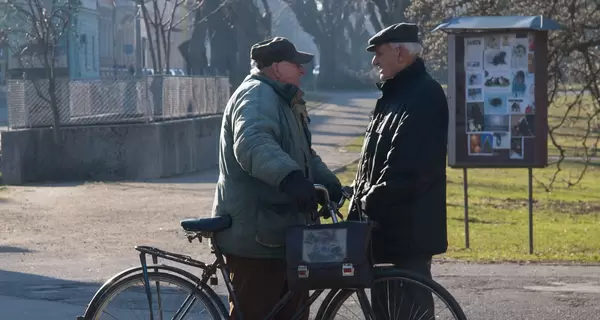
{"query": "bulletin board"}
pixel 499 114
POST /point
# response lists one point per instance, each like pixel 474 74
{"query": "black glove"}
pixel 300 190
pixel 335 194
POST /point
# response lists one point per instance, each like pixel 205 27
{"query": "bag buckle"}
pixel 347 270
pixel 302 271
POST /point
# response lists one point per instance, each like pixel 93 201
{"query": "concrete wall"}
pixel 117 152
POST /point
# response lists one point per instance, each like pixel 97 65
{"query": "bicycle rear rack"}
pixel 156 253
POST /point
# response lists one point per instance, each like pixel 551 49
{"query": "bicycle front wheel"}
pixel 168 297
pixel 396 295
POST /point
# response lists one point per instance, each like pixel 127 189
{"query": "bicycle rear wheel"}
pixel 128 299
pixel 399 295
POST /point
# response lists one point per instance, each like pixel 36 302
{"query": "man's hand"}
pixel 301 191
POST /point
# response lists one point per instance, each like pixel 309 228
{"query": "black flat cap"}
pixel 399 32
pixel 278 49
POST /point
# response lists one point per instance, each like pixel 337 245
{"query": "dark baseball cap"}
pixel 278 49
pixel 399 32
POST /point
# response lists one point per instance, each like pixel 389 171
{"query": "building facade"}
pixel 84 43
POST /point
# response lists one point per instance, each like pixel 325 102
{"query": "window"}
pixel 94 67
pixel 83 43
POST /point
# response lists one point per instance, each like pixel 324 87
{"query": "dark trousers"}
pixel 259 284
pixel 402 300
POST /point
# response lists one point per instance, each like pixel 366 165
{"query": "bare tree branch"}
pixel 573 61
pixel 45 27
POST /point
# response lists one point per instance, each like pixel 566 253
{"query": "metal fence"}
pixel 94 102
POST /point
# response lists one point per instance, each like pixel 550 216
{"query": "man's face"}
pixel 288 72
pixel 389 60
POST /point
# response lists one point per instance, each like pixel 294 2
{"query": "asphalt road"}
pixel 58 243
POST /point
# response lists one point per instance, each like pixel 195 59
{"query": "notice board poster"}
pixel 497 112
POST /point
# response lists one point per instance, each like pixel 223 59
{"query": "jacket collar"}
pixel 407 74
pixel 290 93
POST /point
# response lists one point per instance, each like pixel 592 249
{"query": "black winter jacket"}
pixel 402 171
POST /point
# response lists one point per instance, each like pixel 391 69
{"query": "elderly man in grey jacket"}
pixel 267 171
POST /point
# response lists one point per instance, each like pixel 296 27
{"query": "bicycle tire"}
pixel 383 274
pixel 95 307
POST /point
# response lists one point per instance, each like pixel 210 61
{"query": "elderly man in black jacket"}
pixel 401 178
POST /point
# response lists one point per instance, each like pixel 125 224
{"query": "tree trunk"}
pixel 151 44
pixel 222 44
pixel 328 71
pixel 195 54
pixel 55 112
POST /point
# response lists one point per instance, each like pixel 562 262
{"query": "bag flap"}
pixel 329 245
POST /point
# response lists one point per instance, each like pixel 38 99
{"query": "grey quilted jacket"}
pixel 264 137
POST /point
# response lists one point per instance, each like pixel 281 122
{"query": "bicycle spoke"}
pixel 190 297
pixel 160 310
pixel 178 299
pixel 404 299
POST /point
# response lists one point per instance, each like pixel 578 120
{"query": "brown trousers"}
pixel 259 284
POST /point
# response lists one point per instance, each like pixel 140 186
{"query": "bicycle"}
pixel 199 287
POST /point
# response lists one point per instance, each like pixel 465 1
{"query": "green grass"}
pixel 354 145
pixel 566 221
pixel 571 134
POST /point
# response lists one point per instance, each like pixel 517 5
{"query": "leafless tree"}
pixel 162 18
pixel 37 38
pixel 574 58
pixel 231 27
pixel 383 13
pixel 331 24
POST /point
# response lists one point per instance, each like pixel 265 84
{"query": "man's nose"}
pixel 374 62
pixel 302 70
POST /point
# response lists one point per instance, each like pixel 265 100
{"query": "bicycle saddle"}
pixel 212 224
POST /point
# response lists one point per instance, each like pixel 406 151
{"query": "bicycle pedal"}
pixel 214 281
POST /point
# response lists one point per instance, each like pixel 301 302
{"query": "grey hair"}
pixel 254 67
pixel 413 48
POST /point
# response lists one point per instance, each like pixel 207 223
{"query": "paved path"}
pixel 59 243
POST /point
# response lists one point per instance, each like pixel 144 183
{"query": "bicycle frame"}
pixel 210 271
pixel 209 274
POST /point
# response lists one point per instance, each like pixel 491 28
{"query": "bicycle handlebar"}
pixel 332 210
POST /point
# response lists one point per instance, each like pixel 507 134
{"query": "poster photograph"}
pixel 519 85
pixel 530 65
pixel 516 106
pixel 473 53
pixel 481 144
pixel 530 84
pixel 522 126
pixel 495 103
pixel 496 123
pixel 501 140
pixel 474 95
pixel 498 80
pixel 519 56
pixel 474 79
pixel 516 148
pixel 492 42
pixel 475 119
pixel 495 59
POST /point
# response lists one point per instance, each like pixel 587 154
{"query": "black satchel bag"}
pixel 324 256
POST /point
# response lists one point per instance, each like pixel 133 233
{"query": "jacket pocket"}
pixel 272 224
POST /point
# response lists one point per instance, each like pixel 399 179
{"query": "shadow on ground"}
pixel 11 249
pixel 30 296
